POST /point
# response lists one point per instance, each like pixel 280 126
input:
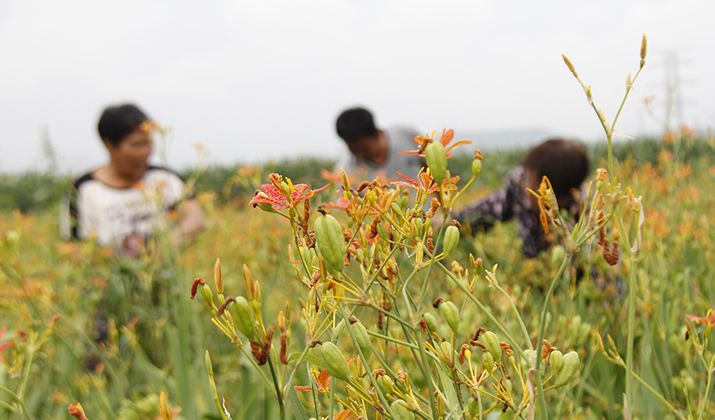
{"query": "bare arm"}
pixel 191 220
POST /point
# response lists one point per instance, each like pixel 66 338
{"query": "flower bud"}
pixel 207 294
pixel 387 382
pixel 218 276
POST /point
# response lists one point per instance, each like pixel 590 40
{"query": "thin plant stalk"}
pixel 540 341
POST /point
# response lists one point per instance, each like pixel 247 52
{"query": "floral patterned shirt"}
pixel 511 202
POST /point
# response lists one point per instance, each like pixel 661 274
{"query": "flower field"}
pixel 354 302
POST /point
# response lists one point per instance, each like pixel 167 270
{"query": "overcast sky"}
pixel 256 80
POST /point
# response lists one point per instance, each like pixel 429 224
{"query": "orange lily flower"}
pixel 445 138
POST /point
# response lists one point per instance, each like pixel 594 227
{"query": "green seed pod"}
pixel 404 201
pixel 12 239
pixel 492 342
pixel 473 407
pixel 572 362
pixel 363 339
pixel 330 239
pixel 401 412
pixel 451 240
pixel 338 330
pixel 556 362
pixel 419 223
pixel 431 321
pixel 436 161
pixel 317 352
pixel 574 327
pixel 691 385
pixel 557 255
pixel 243 317
pixel 360 254
pixel 396 207
pixel 450 314
pixel 528 362
pixel 334 361
pixel 476 167
pixel 488 362
pixel 584 332
pixel 382 231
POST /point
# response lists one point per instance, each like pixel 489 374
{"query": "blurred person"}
pixel 373 151
pixel 566 165
pixel 123 203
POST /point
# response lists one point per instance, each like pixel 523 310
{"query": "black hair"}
pixel 354 124
pixel 564 162
pixel 117 122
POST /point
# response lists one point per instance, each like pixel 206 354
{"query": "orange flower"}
pixel 322 381
pixel 445 138
pixel 6 345
pixel 708 319
pixel 425 184
pixel 282 195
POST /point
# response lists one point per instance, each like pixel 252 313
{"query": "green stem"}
pixel 394 340
pixel 707 392
pixel 19 400
pixel 518 316
pixel 540 342
pixel 279 395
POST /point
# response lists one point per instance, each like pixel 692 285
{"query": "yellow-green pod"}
pixel 451 315
pixel 334 361
pixel 436 161
pixel 242 316
pixel 572 362
pixel 451 240
pixel 330 240
pixel 401 412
